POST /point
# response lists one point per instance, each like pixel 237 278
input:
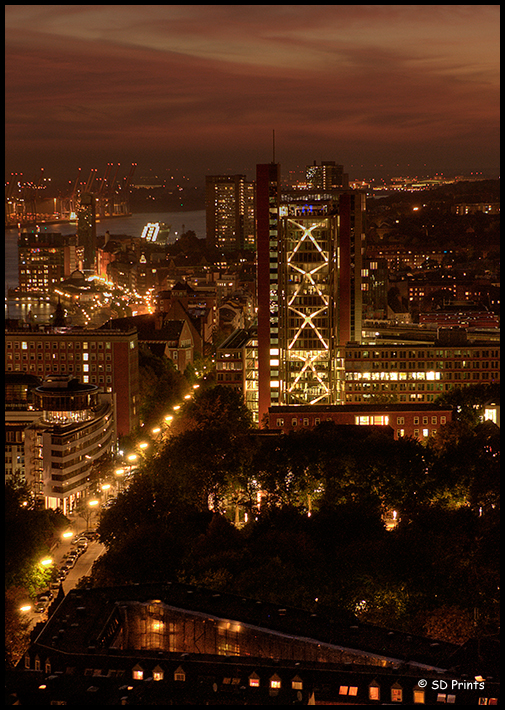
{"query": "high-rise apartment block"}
pixel 327 176
pixel 229 201
pixel 46 259
pixel 86 231
pixel 309 289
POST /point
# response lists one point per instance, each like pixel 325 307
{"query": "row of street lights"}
pixel 156 431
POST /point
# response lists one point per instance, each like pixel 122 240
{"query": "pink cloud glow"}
pixel 206 84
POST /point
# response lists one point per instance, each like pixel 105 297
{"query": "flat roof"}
pixel 357 407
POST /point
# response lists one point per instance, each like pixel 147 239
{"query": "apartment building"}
pixel 105 357
pixel 72 437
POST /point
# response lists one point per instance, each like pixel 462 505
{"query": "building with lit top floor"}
pixel 74 433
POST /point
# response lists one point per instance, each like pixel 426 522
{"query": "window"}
pixel 374 692
pixel 137 673
pixel 418 696
pixel 179 674
pixel 275 682
pixel 396 694
pixel 254 681
pixel 296 683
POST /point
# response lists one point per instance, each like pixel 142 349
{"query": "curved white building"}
pixel 74 435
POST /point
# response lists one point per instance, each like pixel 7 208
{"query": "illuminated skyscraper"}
pixel 229 203
pixel 86 231
pixel 309 290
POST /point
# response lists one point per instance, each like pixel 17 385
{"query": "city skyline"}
pixel 201 88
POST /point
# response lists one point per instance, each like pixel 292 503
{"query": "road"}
pixel 82 566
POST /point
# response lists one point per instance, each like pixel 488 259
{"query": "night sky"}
pixel 200 88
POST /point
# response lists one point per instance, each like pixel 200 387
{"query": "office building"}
pixel 229 201
pixel 45 260
pixel 106 357
pixel 309 248
pixel 73 436
pixel 417 372
pixel 86 231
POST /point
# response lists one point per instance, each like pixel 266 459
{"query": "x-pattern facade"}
pixel 309 309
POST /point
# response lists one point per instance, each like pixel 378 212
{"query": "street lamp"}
pixel 106 488
pixel 89 510
pixel 119 472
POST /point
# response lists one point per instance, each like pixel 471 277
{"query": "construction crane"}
pixel 111 188
pixel 74 190
pixel 110 191
pixel 130 176
pixel 104 180
pixel 126 187
pixel 91 180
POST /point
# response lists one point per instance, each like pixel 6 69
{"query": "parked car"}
pixel 45 596
pixel 40 607
pixel 90 535
pixel 82 544
pixel 77 538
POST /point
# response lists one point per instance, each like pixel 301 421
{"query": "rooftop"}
pixel 81 623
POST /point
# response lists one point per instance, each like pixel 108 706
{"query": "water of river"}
pixel 132 226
